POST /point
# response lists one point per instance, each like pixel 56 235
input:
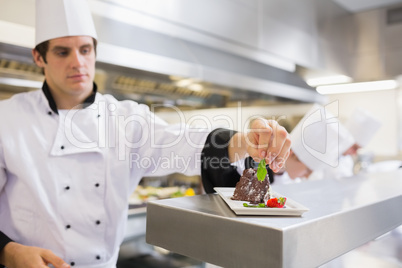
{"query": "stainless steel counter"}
pixel 343 215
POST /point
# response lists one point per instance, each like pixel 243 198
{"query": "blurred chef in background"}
pixel 318 140
pixel 362 126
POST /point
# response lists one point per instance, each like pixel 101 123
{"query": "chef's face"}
pixel 352 150
pixel 295 168
pixel 70 67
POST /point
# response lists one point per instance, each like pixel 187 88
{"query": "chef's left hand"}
pixel 267 139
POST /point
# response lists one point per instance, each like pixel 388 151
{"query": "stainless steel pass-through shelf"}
pixel 343 214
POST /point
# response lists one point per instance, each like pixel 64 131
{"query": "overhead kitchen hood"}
pixel 135 47
pixel 152 67
pixel 148 66
pixel 156 76
pixel 176 56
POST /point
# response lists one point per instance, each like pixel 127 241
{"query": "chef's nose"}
pixel 77 59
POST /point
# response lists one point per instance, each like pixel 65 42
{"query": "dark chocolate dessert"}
pixel 250 189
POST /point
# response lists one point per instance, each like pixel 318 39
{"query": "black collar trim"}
pixel 88 101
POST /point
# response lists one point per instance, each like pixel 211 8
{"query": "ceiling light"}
pixel 184 82
pixel 328 80
pixel 357 87
pixel 20 82
pixel 175 77
pixel 195 87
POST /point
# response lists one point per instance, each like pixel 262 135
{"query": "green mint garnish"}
pixel 260 205
pixel 262 170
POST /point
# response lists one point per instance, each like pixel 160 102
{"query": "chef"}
pixel 318 140
pixel 362 127
pixel 70 157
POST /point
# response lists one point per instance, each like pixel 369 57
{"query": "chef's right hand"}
pixel 15 255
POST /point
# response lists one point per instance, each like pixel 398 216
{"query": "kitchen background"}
pixel 227 54
pixel 221 59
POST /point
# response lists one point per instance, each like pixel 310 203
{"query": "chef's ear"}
pixel 38 59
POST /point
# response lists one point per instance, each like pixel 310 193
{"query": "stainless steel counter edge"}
pixel 344 214
pixel 320 241
pixel 205 236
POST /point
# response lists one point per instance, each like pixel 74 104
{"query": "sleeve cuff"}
pixel 4 240
pixel 216 169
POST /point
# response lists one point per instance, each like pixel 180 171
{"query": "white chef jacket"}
pixel 343 169
pixel 65 178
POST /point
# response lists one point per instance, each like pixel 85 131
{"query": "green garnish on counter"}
pixel 262 170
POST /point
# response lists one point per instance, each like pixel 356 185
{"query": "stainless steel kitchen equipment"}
pixel 343 215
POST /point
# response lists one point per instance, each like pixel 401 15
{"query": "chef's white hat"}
pixel 319 139
pixel 363 125
pixel 346 139
pixel 59 18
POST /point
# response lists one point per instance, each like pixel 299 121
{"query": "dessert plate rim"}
pixel 292 208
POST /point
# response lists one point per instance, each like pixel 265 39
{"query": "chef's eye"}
pixel 85 50
pixel 62 53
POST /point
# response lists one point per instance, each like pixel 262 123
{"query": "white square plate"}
pixel 291 208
